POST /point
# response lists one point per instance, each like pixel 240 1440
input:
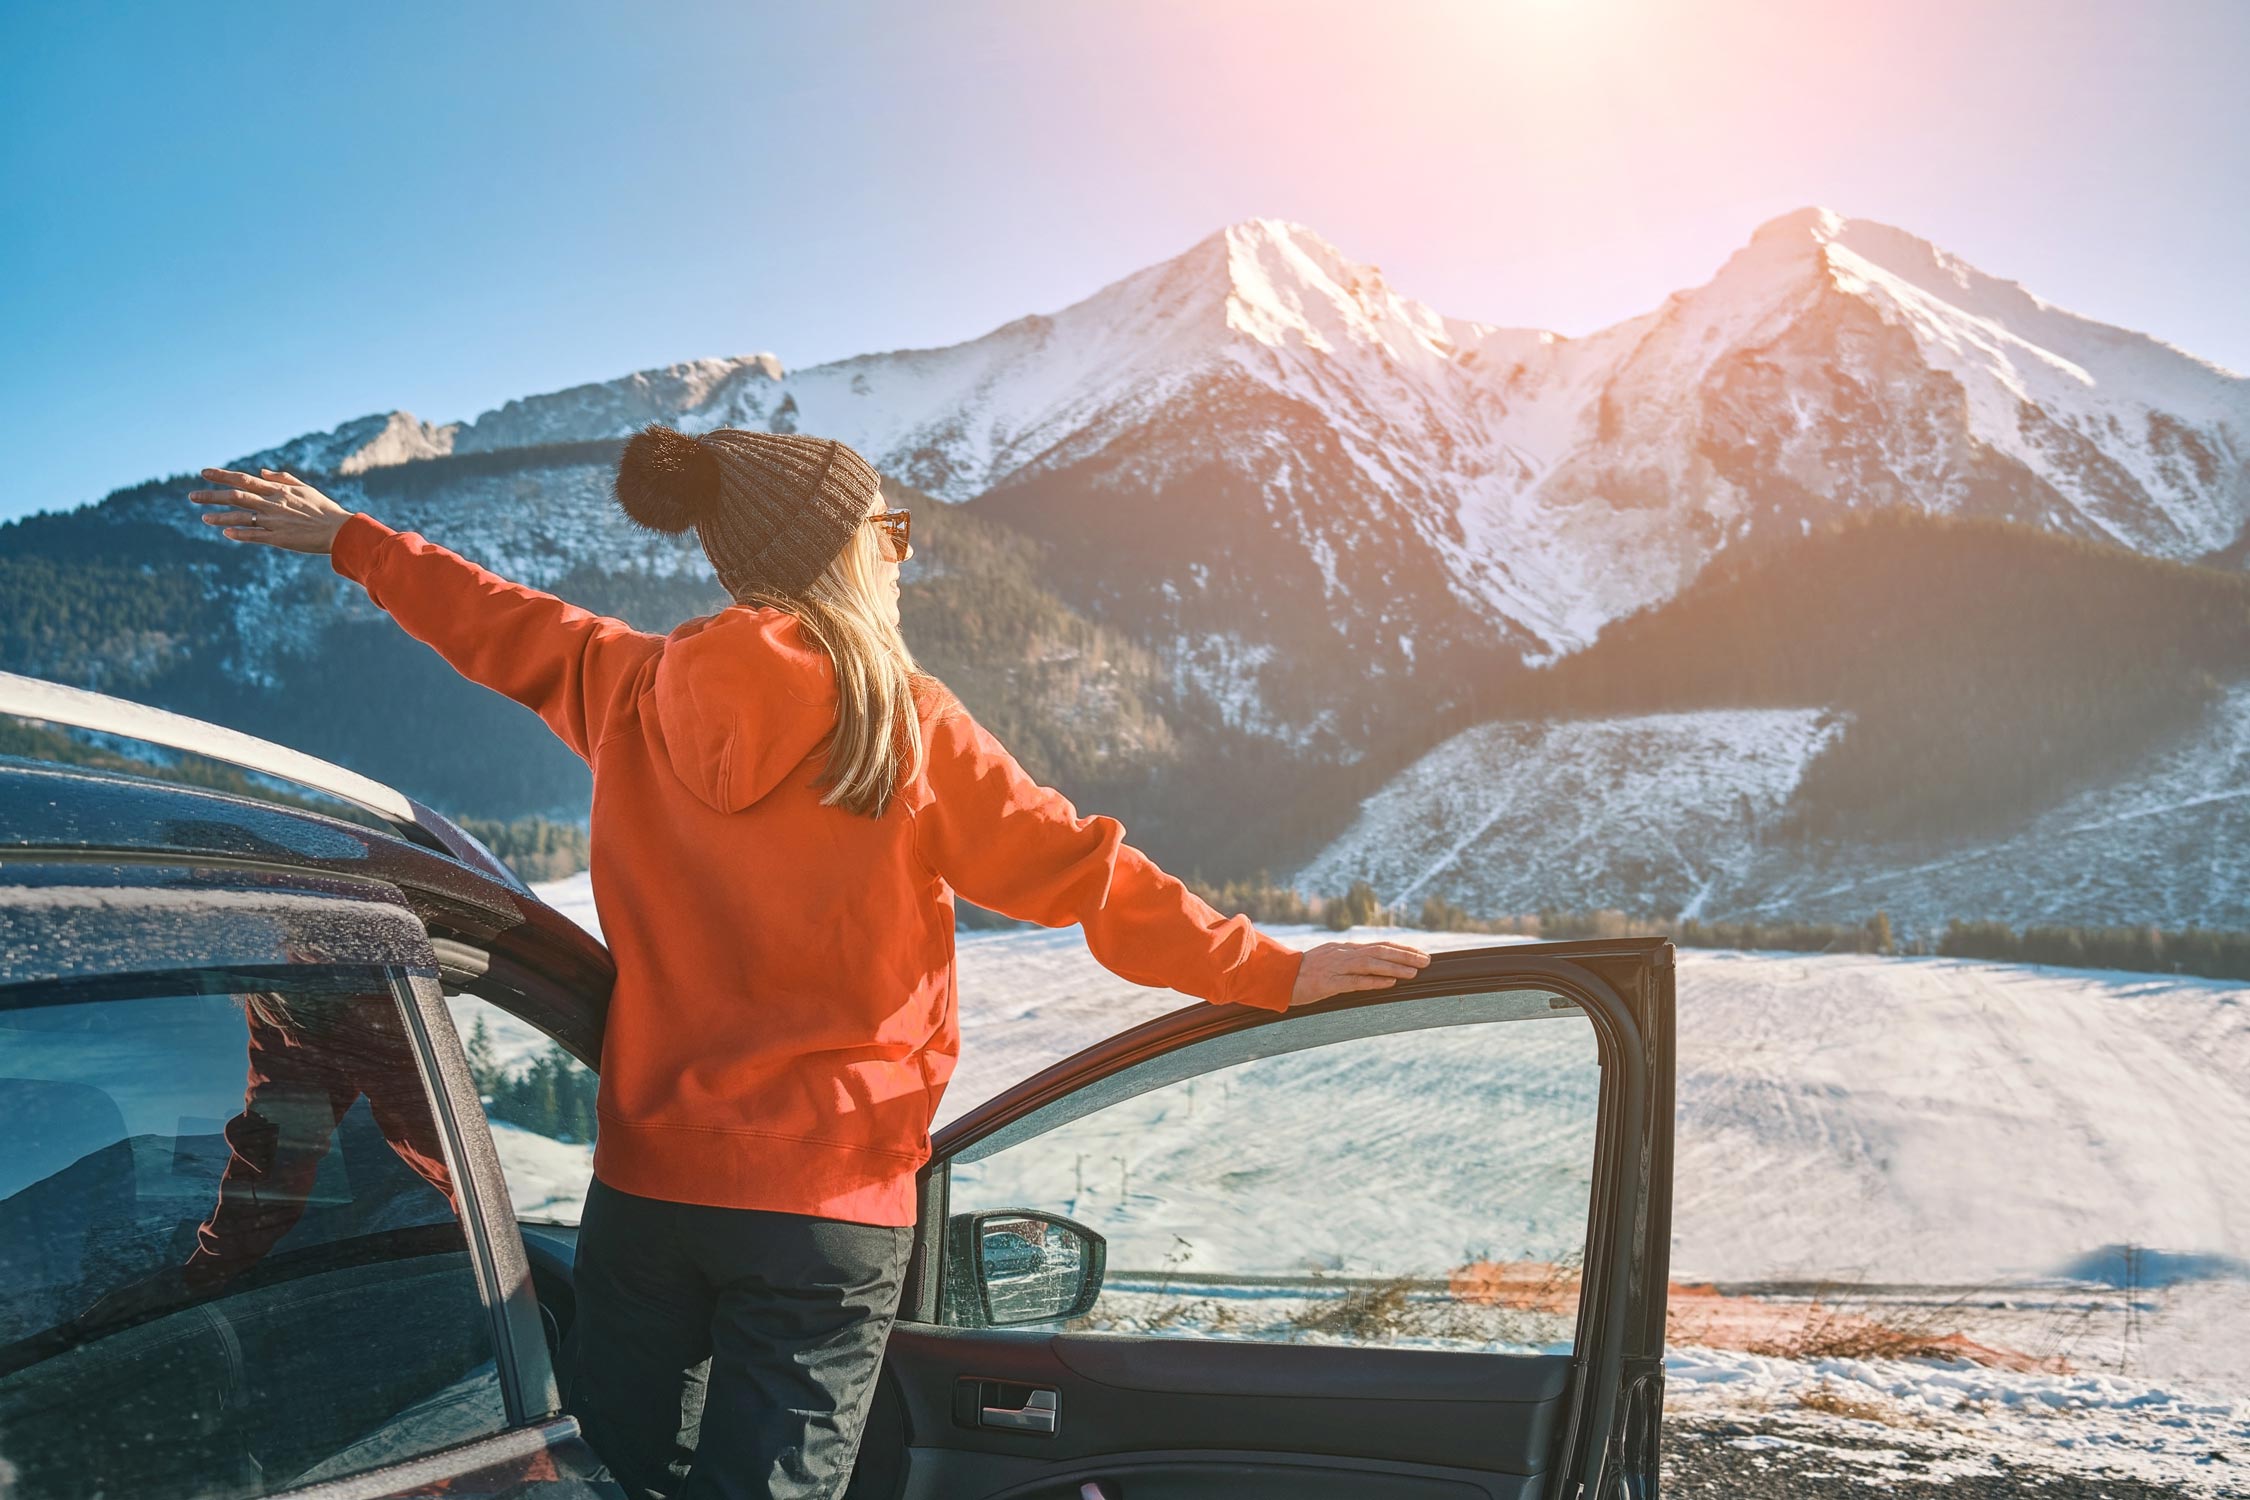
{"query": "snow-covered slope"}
pixel 2160 843
pixel 1675 814
pixel 1655 812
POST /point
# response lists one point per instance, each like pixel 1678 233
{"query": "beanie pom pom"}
pixel 666 480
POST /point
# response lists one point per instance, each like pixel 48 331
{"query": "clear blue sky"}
pixel 228 224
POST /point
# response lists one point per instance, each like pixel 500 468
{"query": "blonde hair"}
pixel 877 744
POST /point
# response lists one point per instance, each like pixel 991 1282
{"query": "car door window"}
pixel 539 1101
pixel 230 1256
pixel 1414 1173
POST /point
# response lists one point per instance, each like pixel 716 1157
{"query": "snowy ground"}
pixel 1927 1145
pixel 1967 1121
pixel 1873 1422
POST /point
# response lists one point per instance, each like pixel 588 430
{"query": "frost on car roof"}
pixel 60 807
pixel 74 922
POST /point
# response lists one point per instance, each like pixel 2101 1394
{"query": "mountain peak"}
pixel 1816 246
pixel 1285 284
pixel 1810 222
pixel 1271 231
pixel 1263 252
pixel 1857 248
pixel 375 441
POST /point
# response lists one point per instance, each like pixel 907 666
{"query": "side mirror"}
pixel 1012 1265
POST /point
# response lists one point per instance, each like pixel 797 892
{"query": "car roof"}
pixel 145 831
pixel 73 812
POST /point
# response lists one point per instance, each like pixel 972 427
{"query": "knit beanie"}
pixel 773 509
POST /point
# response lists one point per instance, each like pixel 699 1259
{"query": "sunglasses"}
pixel 898 531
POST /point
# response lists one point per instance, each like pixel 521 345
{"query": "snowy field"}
pixel 1883 1120
pixel 1952 1150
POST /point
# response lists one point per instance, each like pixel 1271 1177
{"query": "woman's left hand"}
pixel 1338 968
pixel 271 508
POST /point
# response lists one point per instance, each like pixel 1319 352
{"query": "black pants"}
pixel 728 1351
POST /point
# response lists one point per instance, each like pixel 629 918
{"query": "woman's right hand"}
pixel 273 509
pixel 1339 968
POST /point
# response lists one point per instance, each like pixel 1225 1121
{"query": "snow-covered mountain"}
pixel 1261 450
pixel 372 442
pixel 1841 363
pixel 1338 518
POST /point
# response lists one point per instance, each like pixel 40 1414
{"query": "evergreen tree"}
pixel 484 1070
pixel 1878 933
pixel 1355 907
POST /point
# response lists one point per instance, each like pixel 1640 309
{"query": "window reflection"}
pixel 230 1256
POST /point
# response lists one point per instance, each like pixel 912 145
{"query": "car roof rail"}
pixel 81 708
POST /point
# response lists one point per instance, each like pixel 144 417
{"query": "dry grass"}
pixel 1838 1322
pixel 1366 1314
pixel 1829 1401
pixel 1531 1310
pixel 1831 1332
pixel 1523 1285
pixel 1203 1312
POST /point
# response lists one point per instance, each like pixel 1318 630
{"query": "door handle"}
pixel 1039 1413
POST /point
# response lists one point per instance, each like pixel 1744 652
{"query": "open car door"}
pixel 1407 1245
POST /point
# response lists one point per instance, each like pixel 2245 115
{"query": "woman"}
pixel 784 809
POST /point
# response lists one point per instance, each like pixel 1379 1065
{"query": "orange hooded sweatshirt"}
pixel 785 1014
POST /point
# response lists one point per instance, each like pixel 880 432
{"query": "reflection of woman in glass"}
pixel 310 1060
pixel 784 808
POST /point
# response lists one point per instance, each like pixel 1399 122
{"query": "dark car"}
pixel 257 1232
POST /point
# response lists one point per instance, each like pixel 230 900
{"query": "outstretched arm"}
pixel 1008 843
pixel 572 667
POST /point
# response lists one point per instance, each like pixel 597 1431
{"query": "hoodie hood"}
pixel 741 699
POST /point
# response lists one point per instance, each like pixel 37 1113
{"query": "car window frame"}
pixel 529 1380
pixel 510 980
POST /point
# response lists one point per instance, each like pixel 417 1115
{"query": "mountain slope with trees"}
pixel 1987 668
pixel 1938 719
